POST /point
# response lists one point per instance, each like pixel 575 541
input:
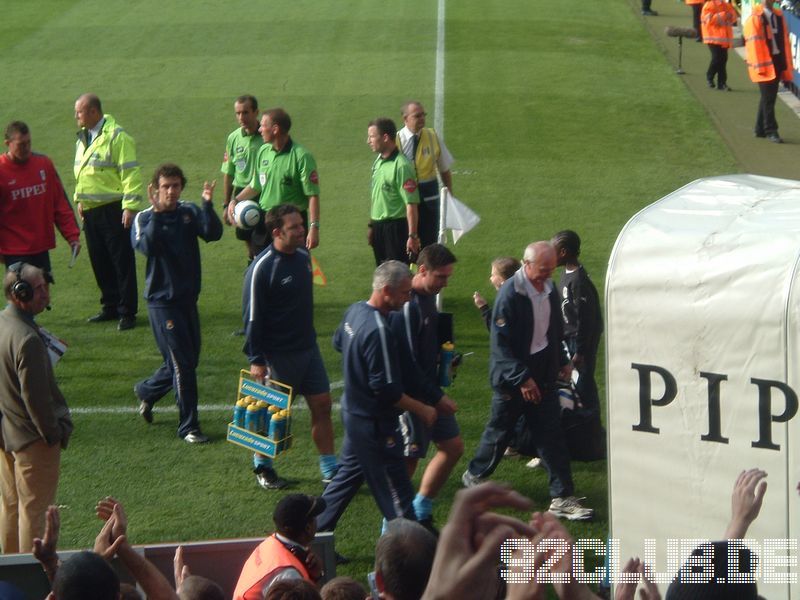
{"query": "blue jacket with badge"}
pixel 512 333
pixel 169 240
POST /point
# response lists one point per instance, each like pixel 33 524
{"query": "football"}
pixel 247 214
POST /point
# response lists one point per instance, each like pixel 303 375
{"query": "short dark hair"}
pixel 385 126
pixel 168 170
pixel 294 513
pixel 129 592
pixel 195 587
pixel 343 588
pixel 248 99
pixel 275 216
pixel 720 586
pixel 435 256
pixel 16 127
pixel 279 117
pixel 569 241
pixel 506 266
pixel 293 589
pixel 404 558
pixel 86 576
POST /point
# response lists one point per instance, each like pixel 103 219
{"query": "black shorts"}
pixel 389 239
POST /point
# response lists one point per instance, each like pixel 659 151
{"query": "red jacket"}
pixel 32 201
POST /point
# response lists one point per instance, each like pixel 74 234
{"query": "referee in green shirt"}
pixel 284 173
pixel 240 157
pixel 395 199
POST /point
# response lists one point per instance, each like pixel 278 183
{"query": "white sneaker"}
pixel 570 508
pixel 469 480
pixel 534 463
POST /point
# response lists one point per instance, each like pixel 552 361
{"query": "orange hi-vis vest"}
pixel 268 556
pixel 717 21
pixel 758 43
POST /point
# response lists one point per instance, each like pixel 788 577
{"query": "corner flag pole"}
pixel 442 239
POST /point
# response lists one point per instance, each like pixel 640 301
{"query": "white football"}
pixel 247 214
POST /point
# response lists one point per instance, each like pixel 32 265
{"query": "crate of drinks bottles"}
pixel 262 416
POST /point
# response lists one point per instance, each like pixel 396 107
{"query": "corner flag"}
pixel 455 216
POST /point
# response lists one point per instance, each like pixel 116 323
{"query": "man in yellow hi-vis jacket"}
pixel 108 193
pixel 427 152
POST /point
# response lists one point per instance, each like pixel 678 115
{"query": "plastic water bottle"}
pixel 445 361
pixel 239 411
pixel 251 418
pixel 263 417
pixel 275 427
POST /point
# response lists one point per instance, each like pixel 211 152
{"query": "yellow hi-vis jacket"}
pixel 717 21
pixel 427 157
pixel 758 43
pixel 107 171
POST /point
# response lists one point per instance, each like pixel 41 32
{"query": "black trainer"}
pixel 107 314
pixel 268 479
pixel 126 322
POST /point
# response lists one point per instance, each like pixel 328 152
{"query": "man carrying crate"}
pixel 280 340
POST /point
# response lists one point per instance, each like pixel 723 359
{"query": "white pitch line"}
pixel 438 90
pixel 169 408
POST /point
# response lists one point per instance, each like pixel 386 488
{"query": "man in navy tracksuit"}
pixel 417 330
pixel 523 367
pixel 373 398
pixel 280 339
pixel 167 235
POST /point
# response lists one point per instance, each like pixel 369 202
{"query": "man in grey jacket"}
pixel 36 423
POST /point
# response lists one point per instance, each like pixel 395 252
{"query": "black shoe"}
pixel 723 87
pixel 775 138
pixel 649 13
pixel 268 479
pixel 760 134
pixel 126 322
pixel 340 559
pixel 711 83
pixel 107 314
pixel 195 437
pixel 428 524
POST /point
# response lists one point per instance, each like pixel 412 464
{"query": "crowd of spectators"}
pixel 470 560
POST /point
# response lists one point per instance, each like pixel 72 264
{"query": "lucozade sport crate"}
pixel 267 426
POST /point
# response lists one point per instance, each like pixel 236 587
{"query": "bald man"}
pixel 524 365
pixel 108 192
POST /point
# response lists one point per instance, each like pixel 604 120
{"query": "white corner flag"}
pixel 455 216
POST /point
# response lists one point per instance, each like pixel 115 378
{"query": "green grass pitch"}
pixel 559 116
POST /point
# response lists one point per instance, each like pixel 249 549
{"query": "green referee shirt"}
pixel 285 177
pixel 240 156
pixel 394 185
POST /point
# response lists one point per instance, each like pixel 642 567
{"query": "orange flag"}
pixel 318 277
